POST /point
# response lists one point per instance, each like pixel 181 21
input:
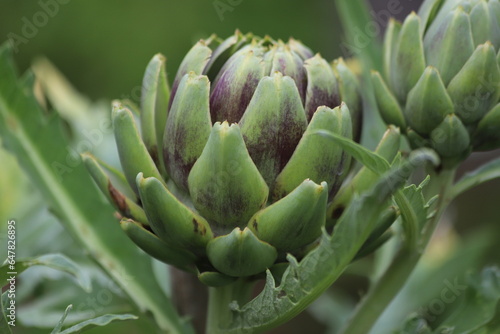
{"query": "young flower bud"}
pixel 461 41
pixel 236 126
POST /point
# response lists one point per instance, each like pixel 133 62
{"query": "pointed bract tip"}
pixel 394 128
pixel 393 20
pixel 160 57
pixel 139 179
pixel 86 156
pixel 116 104
pixel 277 75
pixel 412 17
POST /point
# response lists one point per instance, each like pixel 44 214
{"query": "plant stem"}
pixel 219 300
pixel 390 283
pixel 190 297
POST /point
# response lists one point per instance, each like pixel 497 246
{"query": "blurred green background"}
pixel 103 47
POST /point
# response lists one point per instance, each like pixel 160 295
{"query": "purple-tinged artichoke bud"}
pixel 244 176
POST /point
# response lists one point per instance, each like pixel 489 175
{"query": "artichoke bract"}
pixel 441 79
pixel 225 173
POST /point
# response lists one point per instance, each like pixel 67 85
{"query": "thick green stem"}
pixel 390 283
pixel 219 300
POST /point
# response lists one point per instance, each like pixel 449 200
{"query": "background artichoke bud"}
pixel 487 136
pixel 244 178
pixel 442 77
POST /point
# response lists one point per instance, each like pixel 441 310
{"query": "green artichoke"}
pixel 226 174
pixel 441 80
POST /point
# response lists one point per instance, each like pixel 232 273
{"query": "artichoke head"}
pixel 225 174
pixel 441 78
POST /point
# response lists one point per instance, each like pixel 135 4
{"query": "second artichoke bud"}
pixel 441 80
pixel 229 173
